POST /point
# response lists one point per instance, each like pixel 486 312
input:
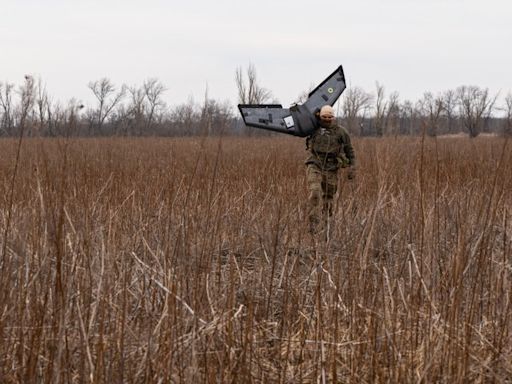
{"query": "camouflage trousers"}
pixel 322 187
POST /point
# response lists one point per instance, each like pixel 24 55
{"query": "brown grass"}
pixel 188 260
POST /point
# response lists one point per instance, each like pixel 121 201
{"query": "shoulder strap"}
pixel 340 132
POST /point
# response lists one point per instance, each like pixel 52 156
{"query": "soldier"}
pixel 330 149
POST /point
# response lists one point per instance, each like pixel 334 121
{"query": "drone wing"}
pixel 296 120
pixel 272 117
pixel 327 92
pixel 299 119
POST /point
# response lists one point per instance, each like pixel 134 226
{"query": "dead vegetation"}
pixel 188 260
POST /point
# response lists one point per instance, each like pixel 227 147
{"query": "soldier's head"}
pixel 326 116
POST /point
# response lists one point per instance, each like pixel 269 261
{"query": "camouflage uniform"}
pixel 330 149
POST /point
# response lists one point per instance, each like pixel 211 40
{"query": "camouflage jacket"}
pixel 330 148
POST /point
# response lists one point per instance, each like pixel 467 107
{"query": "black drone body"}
pixel 299 119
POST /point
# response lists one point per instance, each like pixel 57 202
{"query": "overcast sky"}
pixel 408 46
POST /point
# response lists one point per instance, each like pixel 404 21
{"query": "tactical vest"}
pixel 326 141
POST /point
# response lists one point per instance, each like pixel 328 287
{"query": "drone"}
pixel 300 119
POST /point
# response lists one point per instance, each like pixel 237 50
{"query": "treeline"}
pixel 141 111
pixel 467 109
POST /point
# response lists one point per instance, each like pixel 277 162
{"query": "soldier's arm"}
pixel 349 150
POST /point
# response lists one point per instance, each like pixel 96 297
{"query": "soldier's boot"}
pixel 314 209
pixel 327 209
pixel 327 212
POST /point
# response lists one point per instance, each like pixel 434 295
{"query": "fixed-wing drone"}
pixel 299 119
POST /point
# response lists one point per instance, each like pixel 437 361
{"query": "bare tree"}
pixel 392 114
pixel 107 97
pixel 43 106
pixel 508 114
pixel 249 91
pixel 136 110
pixel 355 101
pixel 27 98
pixel 66 120
pixel 380 109
pixel 431 107
pixel 215 116
pixel 50 119
pixel 72 118
pixel 153 90
pixel 206 115
pixel 475 105
pixel 7 121
pixel 449 99
pixel 184 118
pixel 386 112
pixel 408 117
pixel 145 102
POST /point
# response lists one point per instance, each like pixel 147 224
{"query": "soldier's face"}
pixel 326 120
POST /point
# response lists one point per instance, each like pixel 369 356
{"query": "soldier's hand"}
pixel 342 161
pixel 351 175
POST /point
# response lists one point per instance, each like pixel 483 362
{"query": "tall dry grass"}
pixel 188 260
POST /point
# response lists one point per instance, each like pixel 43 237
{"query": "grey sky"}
pixel 408 46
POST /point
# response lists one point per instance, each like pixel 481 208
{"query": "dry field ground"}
pixel 188 260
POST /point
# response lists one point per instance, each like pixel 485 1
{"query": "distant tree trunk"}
pixel 508 115
pixel 449 100
pixel 430 108
pixel 407 118
pixel 7 122
pixel 107 97
pixel 355 101
pixel 27 93
pixel 153 90
pixel 392 115
pixel 380 110
pixel 135 124
pixel 474 105
pixel 249 91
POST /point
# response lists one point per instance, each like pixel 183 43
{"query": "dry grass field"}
pixel 189 260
